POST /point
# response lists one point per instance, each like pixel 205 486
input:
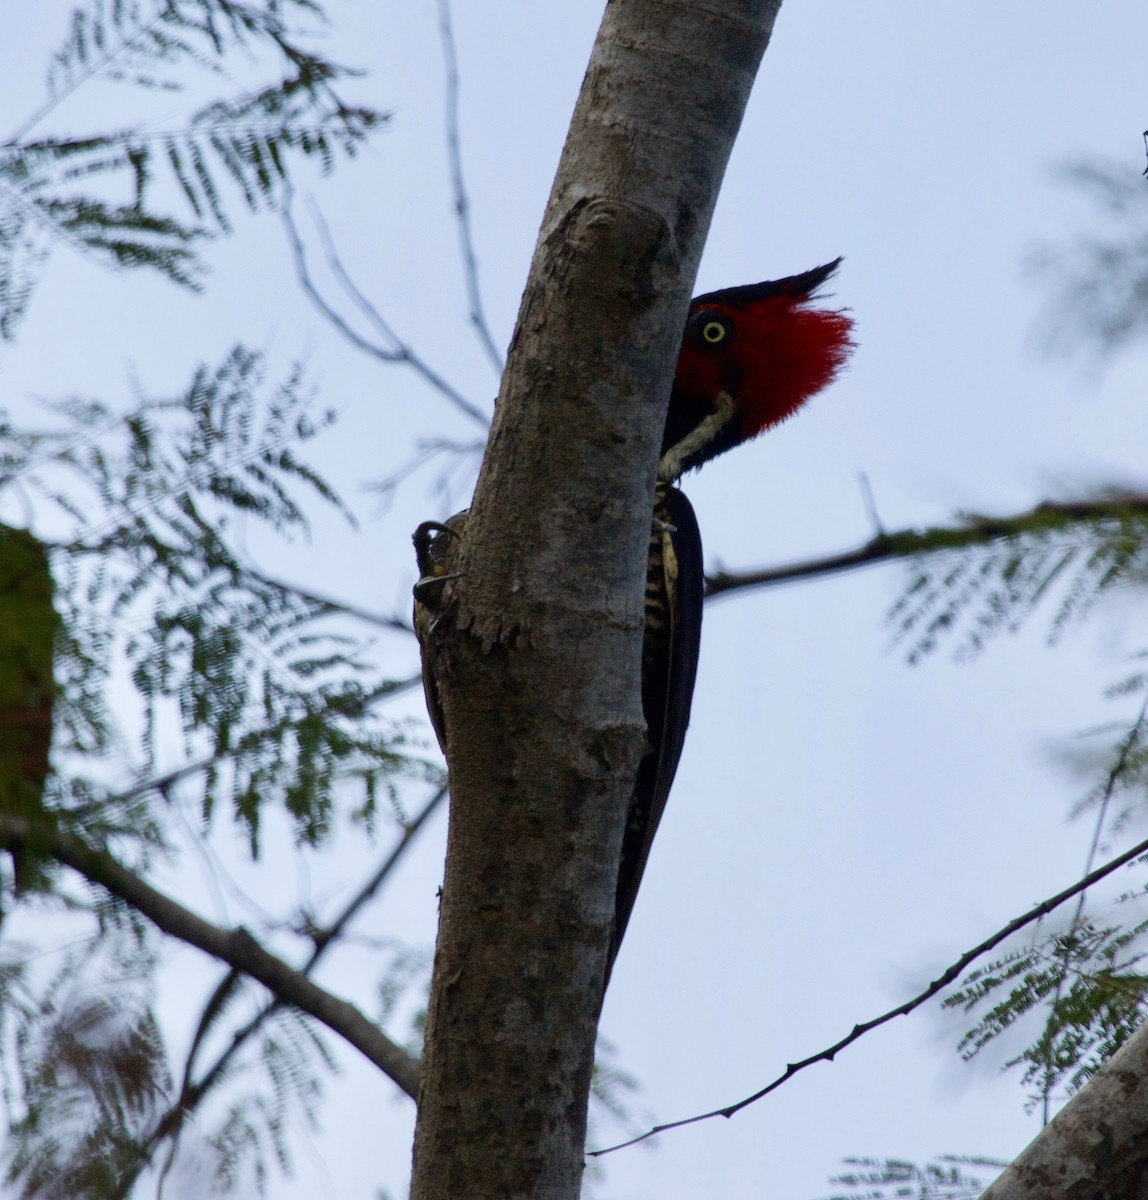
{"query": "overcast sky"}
pixel 843 825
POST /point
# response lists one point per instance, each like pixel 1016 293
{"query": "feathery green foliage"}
pixel 989 575
pixel 91 1069
pixel 267 689
pixel 948 1178
pixel 1084 986
pixel 108 195
pixel 257 677
pixel 1074 994
pixel 268 693
pixel 1101 280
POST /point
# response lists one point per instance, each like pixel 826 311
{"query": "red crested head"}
pixel 751 356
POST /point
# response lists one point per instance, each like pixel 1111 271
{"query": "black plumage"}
pixel 675 584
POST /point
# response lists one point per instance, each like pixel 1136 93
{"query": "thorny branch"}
pixel 235 947
pixel 905 543
pixel 938 985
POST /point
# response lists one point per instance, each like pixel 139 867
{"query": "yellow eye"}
pixel 709 328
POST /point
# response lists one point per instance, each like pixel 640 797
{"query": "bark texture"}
pixel 27 690
pixel 1096 1148
pixel 538 641
pixel 27 687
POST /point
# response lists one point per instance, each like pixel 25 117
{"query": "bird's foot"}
pixel 434 541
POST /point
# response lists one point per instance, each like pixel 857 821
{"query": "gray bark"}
pixel 538 647
pixel 1096 1148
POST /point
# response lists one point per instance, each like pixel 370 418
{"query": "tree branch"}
pixel 191 1092
pixel 393 349
pixel 938 985
pixel 328 603
pixel 461 201
pixel 236 946
pixel 459 453
pixel 905 543
pixel 324 937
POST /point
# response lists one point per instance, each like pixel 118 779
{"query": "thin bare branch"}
pixel 459 455
pixel 404 351
pixel 905 543
pixel 192 1093
pixel 235 947
pixel 330 603
pixel 392 349
pixel 324 937
pixel 938 985
pixel 461 200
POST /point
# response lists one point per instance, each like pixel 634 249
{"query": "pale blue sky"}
pixel 842 826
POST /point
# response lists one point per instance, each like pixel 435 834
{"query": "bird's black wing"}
pixel 675 583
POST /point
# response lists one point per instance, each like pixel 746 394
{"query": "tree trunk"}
pixel 539 642
pixel 1096 1148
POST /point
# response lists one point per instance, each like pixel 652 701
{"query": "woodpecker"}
pixel 750 357
pixel 434 546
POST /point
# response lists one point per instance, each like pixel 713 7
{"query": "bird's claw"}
pixel 428 589
pixel 430 548
pixel 434 542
